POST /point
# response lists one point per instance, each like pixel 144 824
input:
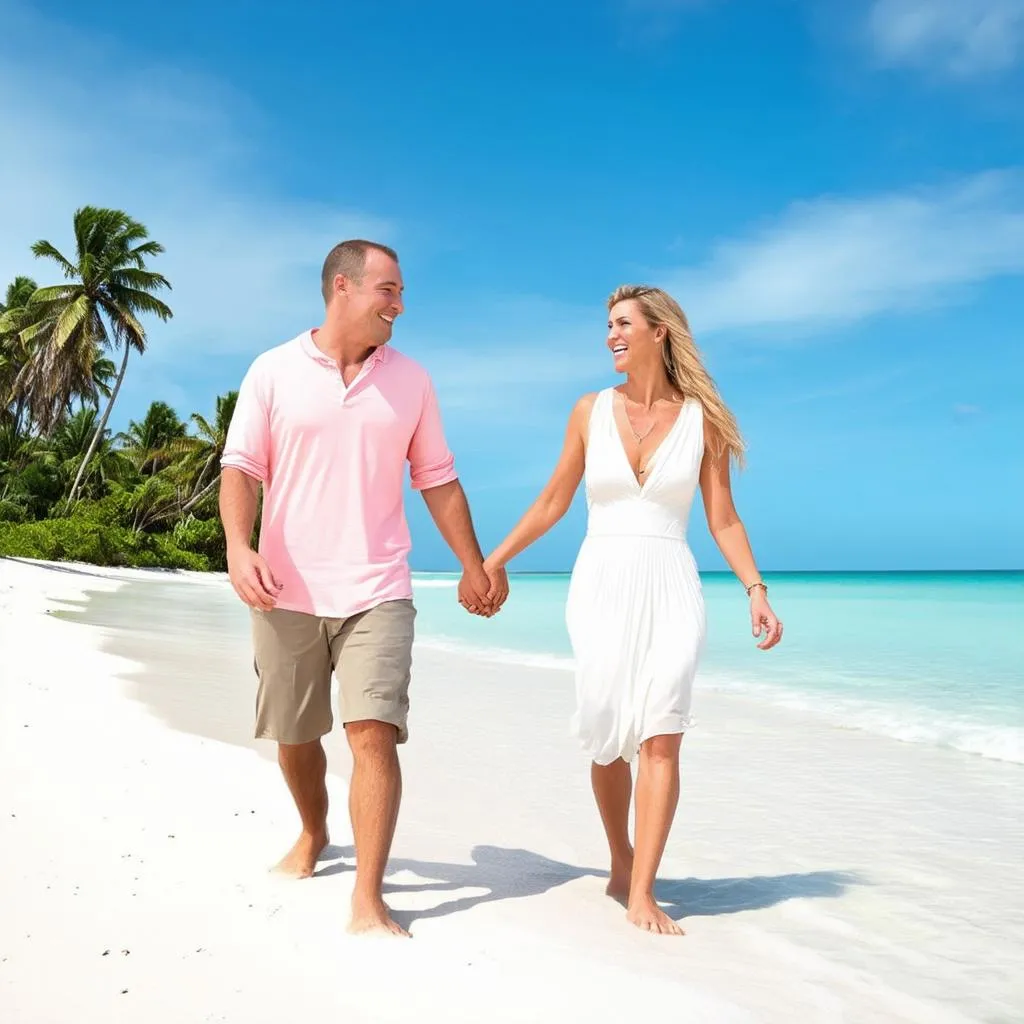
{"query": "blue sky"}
pixel 834 192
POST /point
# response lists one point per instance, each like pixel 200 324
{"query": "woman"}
pixel 635 610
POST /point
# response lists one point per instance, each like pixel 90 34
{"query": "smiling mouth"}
pixel 619 350
pixel 387 319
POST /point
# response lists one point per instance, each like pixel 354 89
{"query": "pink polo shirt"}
pixel 332 462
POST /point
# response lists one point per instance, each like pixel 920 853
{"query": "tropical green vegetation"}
pixel 70 489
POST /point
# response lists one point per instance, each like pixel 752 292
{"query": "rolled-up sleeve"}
pixel 247 446
pixel 431 462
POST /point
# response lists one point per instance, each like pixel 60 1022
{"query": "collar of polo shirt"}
pixel 378 355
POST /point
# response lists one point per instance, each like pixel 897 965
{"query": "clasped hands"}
pixel 483 589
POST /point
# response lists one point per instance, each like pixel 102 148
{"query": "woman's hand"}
pixel 763 619
pixel 498 592
pixel 473 588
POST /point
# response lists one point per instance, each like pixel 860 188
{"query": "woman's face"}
pixel 633 343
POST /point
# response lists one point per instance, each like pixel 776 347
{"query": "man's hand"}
pixel 474 588
pixel 483 590
pixel 450 509
pixel 252 579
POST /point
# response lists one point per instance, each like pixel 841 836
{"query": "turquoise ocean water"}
pixel 934 658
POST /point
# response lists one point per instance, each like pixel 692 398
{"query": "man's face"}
pixel 371 306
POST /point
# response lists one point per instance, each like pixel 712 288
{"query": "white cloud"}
pixel 959 37
pixel 965 411
pixel 653 21
pixel 174 150
pixel 660 6
pixel 835 260
pixel 503 346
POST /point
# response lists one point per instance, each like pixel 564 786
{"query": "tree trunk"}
pixel 99 430
pixel 192 502
pixel 19 412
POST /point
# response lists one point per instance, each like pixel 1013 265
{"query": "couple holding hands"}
pixel 325 425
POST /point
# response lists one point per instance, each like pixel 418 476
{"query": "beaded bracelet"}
pixel 756 583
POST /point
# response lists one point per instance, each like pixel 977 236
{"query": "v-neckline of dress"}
pixel 641 487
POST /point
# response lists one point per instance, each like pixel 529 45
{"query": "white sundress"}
pixel 635 608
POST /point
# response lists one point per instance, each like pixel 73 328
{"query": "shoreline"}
pixel 498 863
pixel 147 572
pixel 730 696
pixel 986 737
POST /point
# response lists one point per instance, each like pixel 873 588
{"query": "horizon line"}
pixel 767 572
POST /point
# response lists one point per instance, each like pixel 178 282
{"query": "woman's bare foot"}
pixel 645 913
pixel 300 861
pixel 373 916
pixel 618 881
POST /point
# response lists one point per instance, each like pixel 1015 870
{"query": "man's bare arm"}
pixel 248 571
pixel 449 508
pixel 239 500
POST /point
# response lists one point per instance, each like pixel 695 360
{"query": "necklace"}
pixel 639 438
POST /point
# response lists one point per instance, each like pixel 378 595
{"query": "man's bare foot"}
pixel 300 861
pixel 618 881
pixel 649 917
pixel 373 916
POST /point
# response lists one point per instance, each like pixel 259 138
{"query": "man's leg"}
pixel 293 707
pixel 373 659
pixel 375 792
pixel 304 766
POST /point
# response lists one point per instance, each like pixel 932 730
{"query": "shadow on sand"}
pixel 83 569
pixel 507 874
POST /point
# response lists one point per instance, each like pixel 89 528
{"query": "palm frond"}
pixel 47 250
pixel 34 331
pixel 73 318
pixel 127 330
pixel 205 430
pixel 55 293
pixel 134 278
pixel 150 248
pixel 139 301
pixel 19 293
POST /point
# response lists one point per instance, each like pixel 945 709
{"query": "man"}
pixel 326 423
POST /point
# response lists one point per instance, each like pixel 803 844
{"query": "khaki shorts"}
pixel 296 654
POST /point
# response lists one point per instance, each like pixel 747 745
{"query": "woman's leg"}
pixel 613 789
pixel 657 794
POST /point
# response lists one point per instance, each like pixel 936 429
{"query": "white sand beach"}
pixel 821 874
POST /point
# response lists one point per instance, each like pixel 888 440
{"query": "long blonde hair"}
pixel 685 369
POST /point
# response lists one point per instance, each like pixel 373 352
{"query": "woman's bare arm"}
pixel 730 535
pixel 554 500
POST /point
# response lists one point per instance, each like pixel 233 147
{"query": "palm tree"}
pixel 15 315
pixel 203 450
pixel 151 440
pixel 154 501
pixel 64 453
pixel 100 381
pixel 17 448
pixel 108 287
pixel 87 391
